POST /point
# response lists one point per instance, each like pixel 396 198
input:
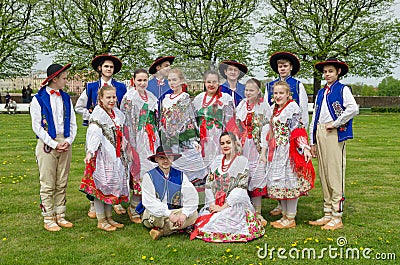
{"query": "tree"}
pixel 364 90
pixel 205 30
pixel 17 32
pixel 361 32
pixel 78 30
pixel 389 86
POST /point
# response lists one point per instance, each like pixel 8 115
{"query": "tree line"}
pixel 364 33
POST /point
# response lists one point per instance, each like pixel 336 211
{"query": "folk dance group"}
pixel 157 142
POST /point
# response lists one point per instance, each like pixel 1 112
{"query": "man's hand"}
pixel 314 151
pixel 177 219
pixel 62 147
pixel 329 126
pixel 173 217
pixel 181 220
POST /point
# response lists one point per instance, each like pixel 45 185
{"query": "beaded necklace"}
pixel 224 167
pixel 205 103
pixel 145 97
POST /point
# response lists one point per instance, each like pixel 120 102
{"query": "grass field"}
pixel 371 215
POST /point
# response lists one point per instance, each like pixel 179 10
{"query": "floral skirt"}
pixel 280 191
pixel 89 187
pixel 258 192
pixel 254 227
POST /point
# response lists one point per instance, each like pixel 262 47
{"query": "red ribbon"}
pixel 203 135
pixel 271 145
pixel 220 197
pixel 150 133
pixel 119 140
pixel 248 124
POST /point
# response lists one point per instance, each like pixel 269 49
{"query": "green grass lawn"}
pixel 371 215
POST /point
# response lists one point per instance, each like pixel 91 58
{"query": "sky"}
pixel 45 60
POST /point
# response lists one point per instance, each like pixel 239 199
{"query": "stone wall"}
pixel 368 102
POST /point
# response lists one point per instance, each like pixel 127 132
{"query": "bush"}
pixel 385 109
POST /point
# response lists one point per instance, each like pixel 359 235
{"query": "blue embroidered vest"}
pixel 93 87
pixel 170 187
pixel 294 89
pixel 334 99
pixel 47 115
pixel 239 92
pixel 159 90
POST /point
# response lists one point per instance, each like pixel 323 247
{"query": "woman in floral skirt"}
pixel 289 171
pixel 179 129
pixel 214 110
pixel 106 173
pixel 140 109
pixel 252 117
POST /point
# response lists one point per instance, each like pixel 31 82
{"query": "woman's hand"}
pixel 307 155
pixel 87 158
pixel 198 147
pixel 216 208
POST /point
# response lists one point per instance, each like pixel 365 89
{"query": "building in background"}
pixel 74 85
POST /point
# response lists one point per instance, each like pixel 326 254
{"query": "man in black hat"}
pixel 169 199
pixel 232 71
pixel 54 123
pixel 106 66
pixel 331 126
pixel 158 85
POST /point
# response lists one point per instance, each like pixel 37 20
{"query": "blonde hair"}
pixel 178 72
pixel 282 83
pixel 100 93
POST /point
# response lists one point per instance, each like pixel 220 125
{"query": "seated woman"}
pixel 228 215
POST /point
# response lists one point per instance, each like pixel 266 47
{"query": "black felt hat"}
pixel 54 70
pixel 102 57
pixel 224 65
pixel 164 151
pixel 158 61
pixel 333 61
pixel 273 61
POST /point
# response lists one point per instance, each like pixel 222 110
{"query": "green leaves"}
pixel 17 32
pixel 78 30
pixel 389 86
pixel 204 29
